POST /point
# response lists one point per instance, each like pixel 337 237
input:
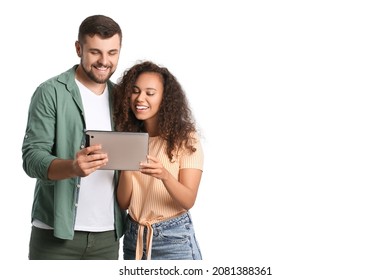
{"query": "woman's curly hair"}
pixel 175 121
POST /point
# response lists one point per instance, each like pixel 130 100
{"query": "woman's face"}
pixel 146 97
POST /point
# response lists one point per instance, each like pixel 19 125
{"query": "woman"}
pixel 159 196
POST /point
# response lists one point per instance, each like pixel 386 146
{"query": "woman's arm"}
pixel 184 190
pixel 125 188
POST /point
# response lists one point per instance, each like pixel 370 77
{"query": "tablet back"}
pixel 125 149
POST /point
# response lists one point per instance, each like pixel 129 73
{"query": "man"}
pixel 75 214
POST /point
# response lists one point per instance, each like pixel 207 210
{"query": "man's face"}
pixel 99 57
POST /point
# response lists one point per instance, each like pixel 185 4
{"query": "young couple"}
pixel 80 211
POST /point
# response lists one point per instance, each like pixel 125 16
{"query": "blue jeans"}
pixel 173 239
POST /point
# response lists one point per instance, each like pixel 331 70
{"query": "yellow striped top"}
pixel 150 201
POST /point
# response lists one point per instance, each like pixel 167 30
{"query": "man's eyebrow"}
pixel 99 50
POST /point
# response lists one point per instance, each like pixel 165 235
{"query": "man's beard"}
pixel 95 78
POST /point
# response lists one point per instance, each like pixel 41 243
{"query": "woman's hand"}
pixel 153 167
pixel 184 190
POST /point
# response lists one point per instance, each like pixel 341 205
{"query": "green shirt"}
pixel 55 129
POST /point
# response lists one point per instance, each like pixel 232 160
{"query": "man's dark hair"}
pixel 103 26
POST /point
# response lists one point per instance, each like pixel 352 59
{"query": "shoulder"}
pixel 59 83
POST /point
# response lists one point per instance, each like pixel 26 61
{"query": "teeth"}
pixel 141 107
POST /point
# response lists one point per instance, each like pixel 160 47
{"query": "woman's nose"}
pixel 141 96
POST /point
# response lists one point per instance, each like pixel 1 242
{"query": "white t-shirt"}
pixel 95 210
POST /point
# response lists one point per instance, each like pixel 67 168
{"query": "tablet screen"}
pixel 125 150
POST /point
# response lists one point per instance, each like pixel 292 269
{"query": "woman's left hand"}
pixel 153 167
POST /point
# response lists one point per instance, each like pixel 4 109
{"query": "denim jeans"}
pixel 173 239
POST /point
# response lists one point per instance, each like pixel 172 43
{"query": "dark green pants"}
pixel 84 246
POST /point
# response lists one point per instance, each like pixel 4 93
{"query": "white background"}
pixel 292 98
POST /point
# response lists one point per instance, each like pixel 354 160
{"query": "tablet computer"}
pixel 125 150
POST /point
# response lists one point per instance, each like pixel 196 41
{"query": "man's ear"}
pixel 78 48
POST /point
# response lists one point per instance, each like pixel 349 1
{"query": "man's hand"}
pixel 89 160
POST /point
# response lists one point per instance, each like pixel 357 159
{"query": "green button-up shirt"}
pixel 55 129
